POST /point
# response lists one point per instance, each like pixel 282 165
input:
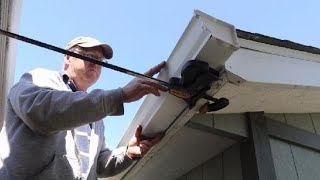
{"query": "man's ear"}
pixel 66 59
pixel 66 62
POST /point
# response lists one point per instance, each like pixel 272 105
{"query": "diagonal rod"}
pixel 85 58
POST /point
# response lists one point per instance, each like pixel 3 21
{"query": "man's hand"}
pixel 137 88
pixel 139 145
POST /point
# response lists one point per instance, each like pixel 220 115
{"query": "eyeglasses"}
pixel 92 56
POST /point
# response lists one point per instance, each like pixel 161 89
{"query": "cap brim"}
pixel 107 50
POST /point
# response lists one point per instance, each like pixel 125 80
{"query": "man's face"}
pixel 82 71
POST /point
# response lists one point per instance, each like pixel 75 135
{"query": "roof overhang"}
pixel 256 76
pixel 273 79
pixel 9 20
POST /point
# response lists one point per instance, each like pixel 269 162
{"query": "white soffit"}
pixel 189 148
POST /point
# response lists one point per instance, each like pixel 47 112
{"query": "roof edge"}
pixel 276 42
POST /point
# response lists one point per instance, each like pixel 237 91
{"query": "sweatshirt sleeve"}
pixel 111 163
pixel 46 109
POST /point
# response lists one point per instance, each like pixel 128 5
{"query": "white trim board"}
pixel 157 113
pixel 271 79
pixel 9 20
pixel 258 62
pixel 204 39
pixel 256 77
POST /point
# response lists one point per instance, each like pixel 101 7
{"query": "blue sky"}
pixel 144 33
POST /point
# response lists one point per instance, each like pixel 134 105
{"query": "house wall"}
pixel 228 123
pixel 226 165
pixel 9 20
pixel 291 161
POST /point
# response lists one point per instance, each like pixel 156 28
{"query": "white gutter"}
pixel 202 31
pixel 257 77
pixel 9 20
pixel 157 114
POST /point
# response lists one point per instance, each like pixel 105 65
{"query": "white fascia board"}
pixel 263 63
pixel 272 79
pixel 10 20
pixel 157 113
pixel 203 36
pixel 166 108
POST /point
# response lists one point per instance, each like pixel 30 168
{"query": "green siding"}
pixel 276 117
pixel 231 123
pixel 283 161
pixel 203 119
pixel 182 178
pixel 225 166
pixel 307 163
pixel 213 169
pixel 232 163
pixel 302 121
pixel 195 174
pixel 292 161
pixel 316 121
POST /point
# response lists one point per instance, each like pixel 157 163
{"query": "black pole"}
pixel 85 58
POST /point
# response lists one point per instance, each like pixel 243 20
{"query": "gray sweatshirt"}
pixel 37 140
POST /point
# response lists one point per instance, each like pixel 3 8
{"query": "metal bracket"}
pixel 196 79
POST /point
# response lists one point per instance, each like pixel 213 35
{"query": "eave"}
pixel 259 73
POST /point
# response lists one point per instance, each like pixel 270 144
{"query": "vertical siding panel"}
pixel 316 121
pixel 195 174
pixel 204 119
pixel 302 121
pixel 276 117
pixel 184 177
pixel 232 163
pixel 212 169
pixel 283 161
pixel 307 163
pixel 234 123
pixel 281 151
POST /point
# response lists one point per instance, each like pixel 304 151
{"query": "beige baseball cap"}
pixel 87 42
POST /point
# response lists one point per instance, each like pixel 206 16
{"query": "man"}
pixel 54 129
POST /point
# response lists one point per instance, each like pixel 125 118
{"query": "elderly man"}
pixel 54 129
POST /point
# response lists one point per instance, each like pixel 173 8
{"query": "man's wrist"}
pixel 130 156
pixel 123 95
